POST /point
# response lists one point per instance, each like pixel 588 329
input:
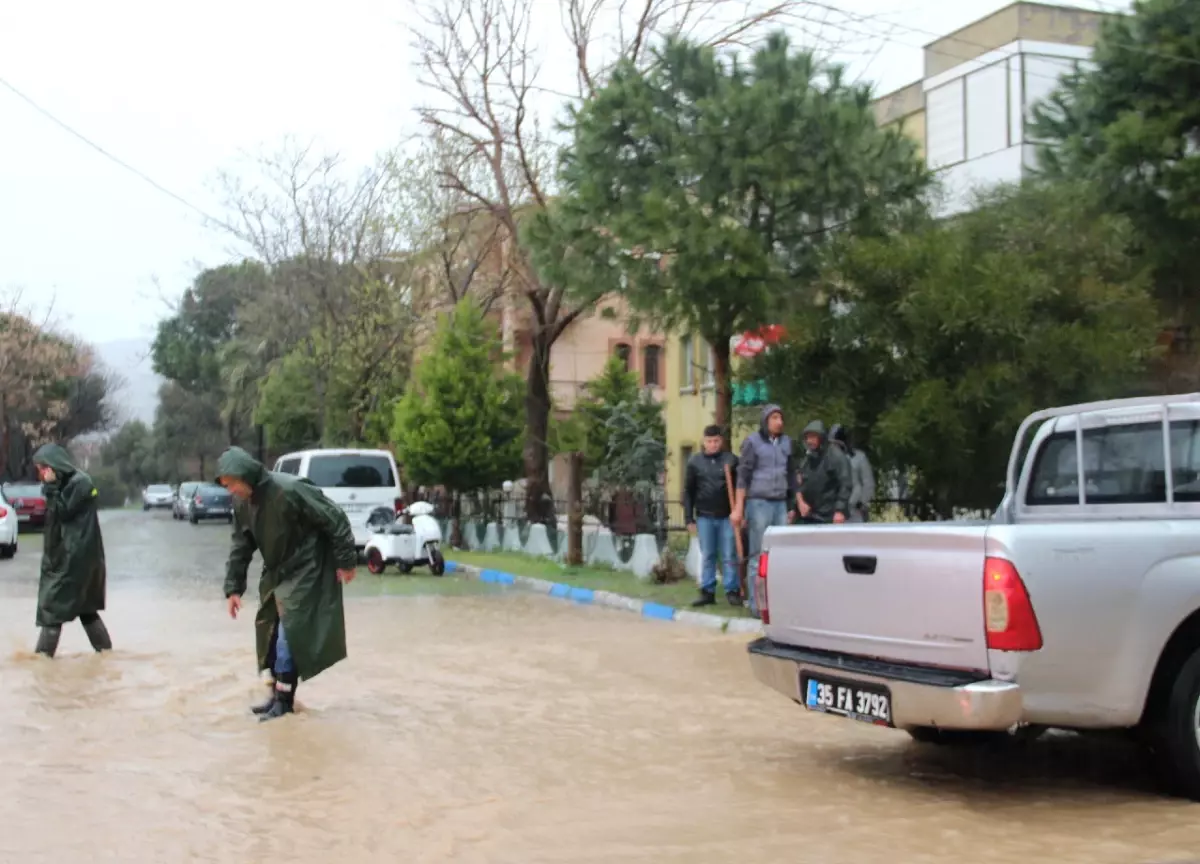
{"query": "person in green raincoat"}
pixel 307 547
pixel 74 577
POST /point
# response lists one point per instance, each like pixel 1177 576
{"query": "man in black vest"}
pixel 706 509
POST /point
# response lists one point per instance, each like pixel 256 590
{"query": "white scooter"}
pixel 405 545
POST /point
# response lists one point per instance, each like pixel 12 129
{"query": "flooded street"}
pixel 492 726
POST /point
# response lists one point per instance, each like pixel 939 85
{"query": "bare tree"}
pixel 478 61
pixel 339 280
pixel 457 244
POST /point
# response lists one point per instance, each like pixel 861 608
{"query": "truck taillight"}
pixel 760 585
pixel 3 512
pixel 1009 619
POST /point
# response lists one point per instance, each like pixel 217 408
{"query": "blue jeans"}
pixel 283 654
pixel 716 537
pixel 760 515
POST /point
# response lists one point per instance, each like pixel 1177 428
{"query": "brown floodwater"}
pixel 475 725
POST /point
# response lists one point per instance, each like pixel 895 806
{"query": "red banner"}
pixel 754 342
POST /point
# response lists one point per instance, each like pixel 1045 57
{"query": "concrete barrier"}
pixel 491 537
pixel 539 542
pixel 645 556
pixel 512 538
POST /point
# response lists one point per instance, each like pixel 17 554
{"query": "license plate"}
pixel 867 703
pixel 354 508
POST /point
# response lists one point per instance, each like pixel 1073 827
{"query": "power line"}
pixel 106 154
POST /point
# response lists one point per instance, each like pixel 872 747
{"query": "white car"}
pixel 358 481
pixel 8 528
pixel 158 496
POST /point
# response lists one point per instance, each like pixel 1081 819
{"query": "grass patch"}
pixel 678 594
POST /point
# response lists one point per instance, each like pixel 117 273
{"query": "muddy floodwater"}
pixel 481 725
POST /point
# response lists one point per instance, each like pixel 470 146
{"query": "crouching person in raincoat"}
pixel 73 579
pixel 307 548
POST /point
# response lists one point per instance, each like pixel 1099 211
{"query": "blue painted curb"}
pixel 582 595
pixel 647 609
pixel 659 611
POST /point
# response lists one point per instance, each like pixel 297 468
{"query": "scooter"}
pixel 416 542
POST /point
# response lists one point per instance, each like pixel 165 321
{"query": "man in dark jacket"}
pixel 825 481
pixel 766 488
pixel 706 510
pixel 74 577
pixel 307 548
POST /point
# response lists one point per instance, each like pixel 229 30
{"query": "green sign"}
pixel 750 392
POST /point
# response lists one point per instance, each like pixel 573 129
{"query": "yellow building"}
pixel 689 404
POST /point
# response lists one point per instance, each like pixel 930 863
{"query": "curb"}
pixel 588 597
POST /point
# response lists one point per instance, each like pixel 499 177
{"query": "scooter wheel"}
pixel 437 564
pixel 375 562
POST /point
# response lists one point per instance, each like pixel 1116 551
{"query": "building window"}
pixel 685 454
pixel 625 352
pixel 987 110
pixel 650 366
pixel 687 372
pixel 710 367
pixel 945 125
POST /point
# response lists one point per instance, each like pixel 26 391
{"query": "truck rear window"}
pixel 1122 464
pixel 351 471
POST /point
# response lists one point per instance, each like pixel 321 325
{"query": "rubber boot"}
pixel 97 633
pixel 285 697
pixel 48 640
pixel 264 707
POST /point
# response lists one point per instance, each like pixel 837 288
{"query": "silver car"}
pixel 157 496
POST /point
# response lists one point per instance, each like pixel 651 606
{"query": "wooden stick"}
pixel 737 532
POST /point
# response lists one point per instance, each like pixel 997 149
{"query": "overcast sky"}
pixel 179 93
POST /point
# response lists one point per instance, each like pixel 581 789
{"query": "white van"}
pixel 358 481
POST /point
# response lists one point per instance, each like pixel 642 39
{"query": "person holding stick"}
pixel 708 499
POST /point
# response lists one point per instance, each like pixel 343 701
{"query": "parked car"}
pixel 358 481
pixel 182 496
pixel 1077 606
pixel 158 496
pixel 209 501
pixel 29 501
pixel 8 527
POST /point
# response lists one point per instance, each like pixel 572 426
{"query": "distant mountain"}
pixel 138 396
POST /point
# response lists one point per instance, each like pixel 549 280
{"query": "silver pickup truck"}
pixel 1077 606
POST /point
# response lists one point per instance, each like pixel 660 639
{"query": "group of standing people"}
pixel 768 483
pixel 307 549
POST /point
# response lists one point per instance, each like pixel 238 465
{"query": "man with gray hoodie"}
pixel 766 489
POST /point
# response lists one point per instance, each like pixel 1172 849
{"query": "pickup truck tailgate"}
pixel 905 593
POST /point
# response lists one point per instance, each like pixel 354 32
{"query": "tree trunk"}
pixel 537 431
pixel 575 511
pixel 721 372
pixel 4 439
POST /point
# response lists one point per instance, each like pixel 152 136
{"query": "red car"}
pixel 29 502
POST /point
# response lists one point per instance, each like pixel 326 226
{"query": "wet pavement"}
pixel 481 724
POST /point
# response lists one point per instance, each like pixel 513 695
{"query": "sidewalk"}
pixel 609 588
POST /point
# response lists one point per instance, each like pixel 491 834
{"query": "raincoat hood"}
pixel 236 462
pixel 818 428
pixel 55 456
pixel 767 411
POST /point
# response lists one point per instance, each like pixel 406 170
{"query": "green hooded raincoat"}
pixel 304 539
pixel 73 579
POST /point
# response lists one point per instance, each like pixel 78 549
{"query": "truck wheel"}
pixel 8 551
pixel 375 562
pixel 1175 733
pixel 957 737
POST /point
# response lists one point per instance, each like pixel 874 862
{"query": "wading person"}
pixel 73 578
pixel 707 506
pixel 308 552
pixel 766 488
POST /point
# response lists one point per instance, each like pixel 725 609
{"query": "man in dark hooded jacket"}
pixel 307 548
pixel 73 578
pixel 825 481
